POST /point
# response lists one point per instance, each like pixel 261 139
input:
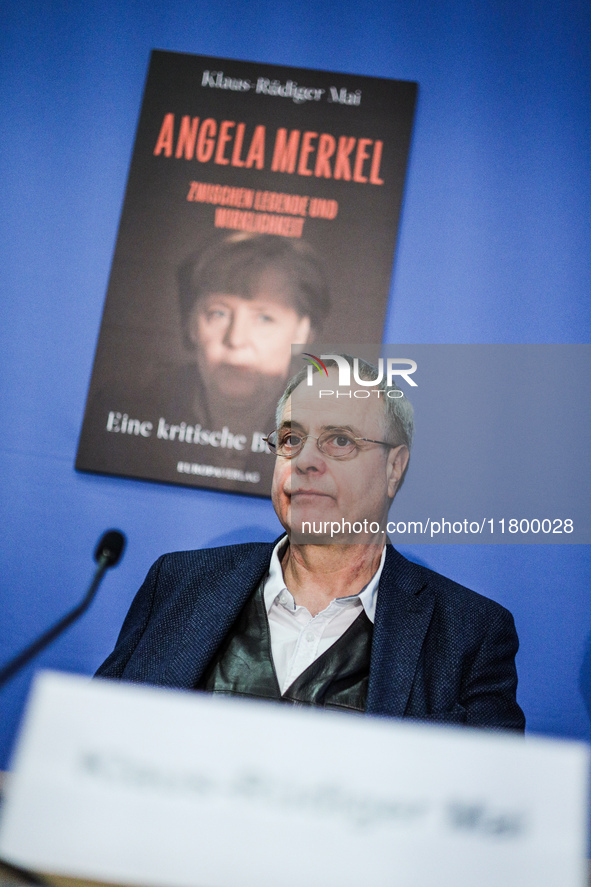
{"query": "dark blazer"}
pixel 440 652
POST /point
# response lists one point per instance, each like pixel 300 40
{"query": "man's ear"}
pixel 397 461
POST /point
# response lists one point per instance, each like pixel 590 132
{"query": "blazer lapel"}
pixel 404 609
pixel 220 592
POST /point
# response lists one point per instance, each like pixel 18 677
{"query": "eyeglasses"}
pixel 337 444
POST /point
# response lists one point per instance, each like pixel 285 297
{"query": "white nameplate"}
pixel 134 785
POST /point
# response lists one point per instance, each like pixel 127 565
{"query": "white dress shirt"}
pixel 297 637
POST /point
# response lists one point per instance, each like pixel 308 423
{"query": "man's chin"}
pixel 312 518
pixel 322 523
pixel 313 507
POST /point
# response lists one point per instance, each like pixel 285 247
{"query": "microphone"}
pixel 109 549
pixel 107 554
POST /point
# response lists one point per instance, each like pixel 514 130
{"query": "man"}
pixel 345 624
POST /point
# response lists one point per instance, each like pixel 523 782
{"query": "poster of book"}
pixel 261 211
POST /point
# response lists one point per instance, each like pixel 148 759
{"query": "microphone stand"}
pixel 106 558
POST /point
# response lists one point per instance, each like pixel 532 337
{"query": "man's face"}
pixel 314 487
pixel 239 340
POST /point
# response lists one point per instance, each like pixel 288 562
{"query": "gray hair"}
pixel 398 411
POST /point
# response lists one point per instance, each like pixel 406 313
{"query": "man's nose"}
pixel 309 458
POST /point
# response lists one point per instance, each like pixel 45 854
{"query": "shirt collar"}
pixel 275 583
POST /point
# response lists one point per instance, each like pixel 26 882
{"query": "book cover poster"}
pixel 261 210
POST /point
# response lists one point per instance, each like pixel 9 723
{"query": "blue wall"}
pixel 494 247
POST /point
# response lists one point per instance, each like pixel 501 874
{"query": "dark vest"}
pixel 243 664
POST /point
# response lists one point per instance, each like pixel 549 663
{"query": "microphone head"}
pixel 110 548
